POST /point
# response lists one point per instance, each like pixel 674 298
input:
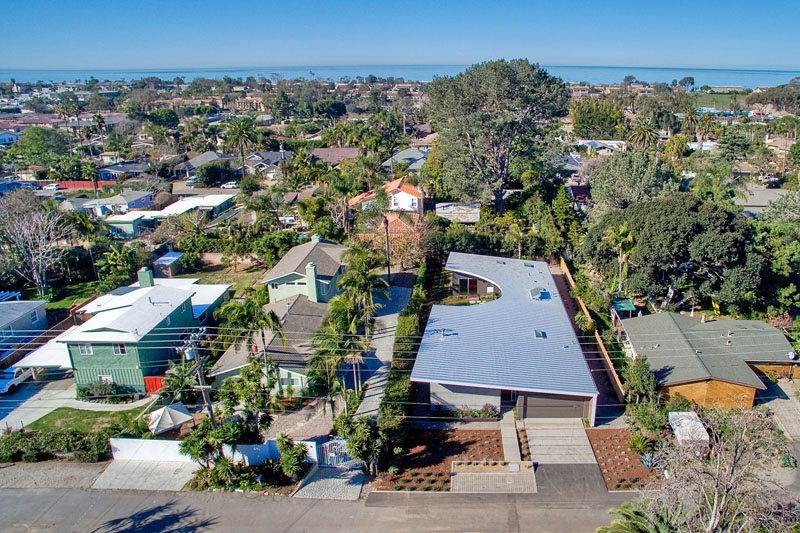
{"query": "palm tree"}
pixel 99 122
pixel 241 134
pixel 180 381
pixel 690 120
pixel 360 284
pixel 619 239
pixel 704 126
pixel 367 167
pixel 344 346
pixel 89 172
pixel 643 134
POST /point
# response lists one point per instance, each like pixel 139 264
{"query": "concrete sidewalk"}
pixel 508 432
pixel 383 344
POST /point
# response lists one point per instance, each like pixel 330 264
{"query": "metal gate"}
pixel 334 453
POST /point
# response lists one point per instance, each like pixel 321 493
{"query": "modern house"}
pixel 20 320
pixel 126 200
pixel 133 332
pixel 413 157
pixel 309 269
pixel 714 363
pixel 402 197
pixel 300 286
pixel 129 168
pixel 127 225
pixel 212 205
pixel 517 348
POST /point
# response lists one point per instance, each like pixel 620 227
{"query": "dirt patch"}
pixel 524 447
pixel 427 464
pixel 49 474
pixel 621 468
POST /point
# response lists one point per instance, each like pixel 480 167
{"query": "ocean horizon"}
pixel 747 78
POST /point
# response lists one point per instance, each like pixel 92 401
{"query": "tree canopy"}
pixel 630 177
pixel 483 113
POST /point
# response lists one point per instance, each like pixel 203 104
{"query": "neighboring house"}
pixel 714 363
pixel 518 349
pixel 7 138
pixel 756 198
pixel 424 142
pixel 130 168
pixel 212 205
pixel 123 202
pixel 413 157
pixel 298 315
pixel 266 163
pixel 20 321
pixel 76 204
pixel 188 169
pixel 603 147
pixel 300 285
pixel 456 212
pixel 127 225
pixel 132 332
pixel 402 197
pixel 334 156
pixel 310 269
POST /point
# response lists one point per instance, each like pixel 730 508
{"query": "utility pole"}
pixel 190 350
pixel 388 261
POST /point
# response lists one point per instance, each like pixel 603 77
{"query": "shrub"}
pixel 293 456
pixel 640 444
pixel 649 461
pixel 679 403
pixel 648 417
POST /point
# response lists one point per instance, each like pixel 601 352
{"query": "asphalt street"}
pixel 127 511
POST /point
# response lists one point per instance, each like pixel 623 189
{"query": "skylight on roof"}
pixel 540 334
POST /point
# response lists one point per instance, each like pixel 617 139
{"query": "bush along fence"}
pixel 590 325
pixel 394 406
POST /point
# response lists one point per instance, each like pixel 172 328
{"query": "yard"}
pixel 82 420
pixel 242 280
pixel 64 296
pixel 622 469
pixel 427 464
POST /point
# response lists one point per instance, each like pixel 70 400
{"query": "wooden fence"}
pixel 616 383
pixel 17 355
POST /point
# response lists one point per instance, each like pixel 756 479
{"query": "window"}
pixel 34 317
pixel 105 379
pixel 120 349
pixel 395 203
pixel 463 286
pixel 183 307
pixel 413 202
pixel 539 334
pixel 323 288
pixel 85 349
pixel 273 285
pixel 168 321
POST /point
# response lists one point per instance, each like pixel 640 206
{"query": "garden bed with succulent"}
pixel 427 465
pixel 623 456
pixel 487 413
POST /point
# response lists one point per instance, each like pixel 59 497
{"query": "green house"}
pixel 133 332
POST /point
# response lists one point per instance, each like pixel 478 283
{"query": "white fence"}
pixel 169 450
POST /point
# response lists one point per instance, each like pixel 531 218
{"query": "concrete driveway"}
pixel 146 475
pixel 782 399
pixel 559 441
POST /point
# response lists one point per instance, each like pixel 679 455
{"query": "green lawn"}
pixel 81 420
pixel 720 101
pixel 64 296
pixel 241 280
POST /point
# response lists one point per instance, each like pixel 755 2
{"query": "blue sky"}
pixel 73 34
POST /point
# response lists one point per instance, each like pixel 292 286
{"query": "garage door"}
pixel 530 405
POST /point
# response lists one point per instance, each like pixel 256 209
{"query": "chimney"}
pixel 145 277
pixel 311 282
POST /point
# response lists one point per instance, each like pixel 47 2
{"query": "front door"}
pixel 473 287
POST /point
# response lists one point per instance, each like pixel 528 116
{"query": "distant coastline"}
pixel 747 78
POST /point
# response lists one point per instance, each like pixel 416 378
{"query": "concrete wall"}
pixel 458 397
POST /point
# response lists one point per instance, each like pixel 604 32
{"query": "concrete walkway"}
pixel 493 483
pixel 383 344
pixel 333 484
pixel 508 432
pixel 782 399
pixel 33 400
pixel 558 441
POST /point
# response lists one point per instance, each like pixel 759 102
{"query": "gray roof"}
pixel 334 156
pixel 464 213
pixel 494 345
pixel 757 197
pixel 683 349
pixel 269 158
pixel 300 320
pixel 203 159
pixel 128 167
pixel 326 255
pixel 125 197
pixel 11 311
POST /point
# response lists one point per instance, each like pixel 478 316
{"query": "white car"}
pixel 12 377
pixel 51 187
pixel 191 182
pixel 229 185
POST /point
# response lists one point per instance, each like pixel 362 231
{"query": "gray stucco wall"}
pixel 457 397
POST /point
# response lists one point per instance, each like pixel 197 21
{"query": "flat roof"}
pixel 130 216
pixel 494 345
pixel 168 258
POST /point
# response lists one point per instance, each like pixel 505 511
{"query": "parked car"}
pixel 191 182
pixel 229 185
pixel 12 377
pixel 25 185
pixel 51 187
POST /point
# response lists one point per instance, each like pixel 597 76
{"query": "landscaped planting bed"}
pixel 524 447
pixel 621 468
pixel 427 464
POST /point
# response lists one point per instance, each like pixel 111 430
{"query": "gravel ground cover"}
pixel 621 468
pixel 49 474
